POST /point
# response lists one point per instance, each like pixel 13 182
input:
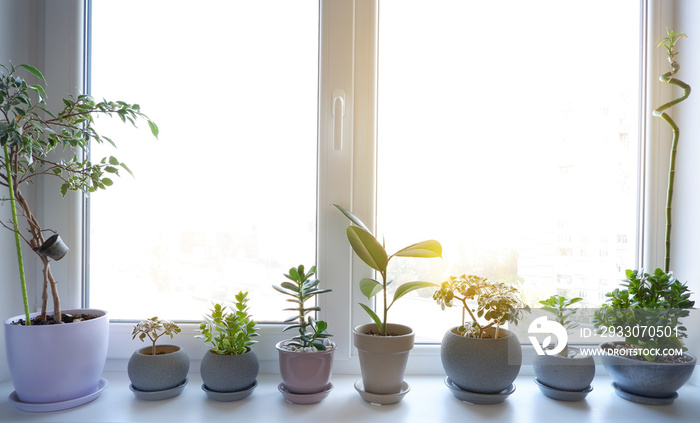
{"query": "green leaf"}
pixel 405 288
pixel 107 182
pixel 367 248
pixel 34 71
pixel 154 128
pixel 373 315
pixel 356 220
pixel 370 287
pixel 113 161
pixel 425 249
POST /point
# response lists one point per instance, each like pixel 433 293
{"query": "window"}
pixel 225 200
pixel 489 130
pixel 499 127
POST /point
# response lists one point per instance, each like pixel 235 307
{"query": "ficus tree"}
pixel 29 135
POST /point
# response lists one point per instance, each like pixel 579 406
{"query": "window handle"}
pixel 338 114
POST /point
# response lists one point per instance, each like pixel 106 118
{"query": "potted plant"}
pixel 157 371
pixel 306 361
pixel 651 301
pixel 481 360
pixel 29 135
pixel 229 369
pixel 383 347
pixel 567 374
pixel 651 364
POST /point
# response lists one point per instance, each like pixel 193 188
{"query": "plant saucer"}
pixel 229 396
pixel 304 398
pixel 478 397
pixel 158 395
pixel 641 399
pixel 381 399
pixel 562 395
pixel 46 407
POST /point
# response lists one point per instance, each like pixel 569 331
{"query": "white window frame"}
pixel 347 70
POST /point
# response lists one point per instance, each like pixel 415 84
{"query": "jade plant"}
pixel 497 303
pixel 229 330
pixel 29 134
pixel 301 289
pixel 559 305
pixel 153 329
pixel 647 313
pixel 373 253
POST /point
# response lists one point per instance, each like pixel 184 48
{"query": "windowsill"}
pixel 428 400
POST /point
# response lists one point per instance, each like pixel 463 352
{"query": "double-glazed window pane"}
pixel 508 131
pixel 225 200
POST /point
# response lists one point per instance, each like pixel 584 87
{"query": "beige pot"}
pixel 383 358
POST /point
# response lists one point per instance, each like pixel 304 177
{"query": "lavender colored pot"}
pixel 383 358
pixel 483 365
pixel 305 372
pixel 57 363
pixel 166 369
pixel 229 373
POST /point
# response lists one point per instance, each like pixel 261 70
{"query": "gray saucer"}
pixel 158 395
pixel 562 395
pixel 642 399
pixel 477 397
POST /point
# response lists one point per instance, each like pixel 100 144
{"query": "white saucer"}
pixel 304 398
pixel 158 395
pixel 562 395
pixel 45 407
pixel 381 399
pixel 478 397
pixel 229 396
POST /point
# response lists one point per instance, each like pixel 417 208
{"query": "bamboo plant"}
pixel 29 134
pixel 669 44
pixel 373 253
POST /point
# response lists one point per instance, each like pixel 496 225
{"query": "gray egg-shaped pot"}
pixel 572 373
pixel 647 380
pixel 165 370
pixel 305 372
pixel 481 365
pixel 229 373
pixel 383 359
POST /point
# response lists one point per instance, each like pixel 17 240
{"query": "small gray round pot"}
pixel 483 365
pixel 165 370
pixel 565 373
pixel 305 372
pixel 229 373
pixel 647 379
pixel 383 358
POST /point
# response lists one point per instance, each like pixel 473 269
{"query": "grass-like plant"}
pixel 372 252
pixel 302 289
pixel 496 303
pixel 559 305
pixel 229 331
pixel 669 44
pixel 29 133
pixel 153 329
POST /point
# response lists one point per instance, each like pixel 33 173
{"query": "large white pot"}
pixel 55 363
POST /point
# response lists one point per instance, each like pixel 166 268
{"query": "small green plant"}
pixel 153 329
pixel 372 252
pixel 496 302
pixel 229 331
pixel 647 312
pixel 559 306
pixel 302 289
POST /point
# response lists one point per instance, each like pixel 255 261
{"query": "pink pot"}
pixel 305 372
pixel 55 363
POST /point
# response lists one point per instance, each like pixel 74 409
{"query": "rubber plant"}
pixel 373 253
pixel 29 134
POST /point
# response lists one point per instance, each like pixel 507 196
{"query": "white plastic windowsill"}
pixel 428 401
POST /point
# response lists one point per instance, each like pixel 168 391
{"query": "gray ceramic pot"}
pixel 229 373
pixel 165 370
pixel 305 372
pixel 647 379
pixel 565 373
pixel 383 358
pixel 486 366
